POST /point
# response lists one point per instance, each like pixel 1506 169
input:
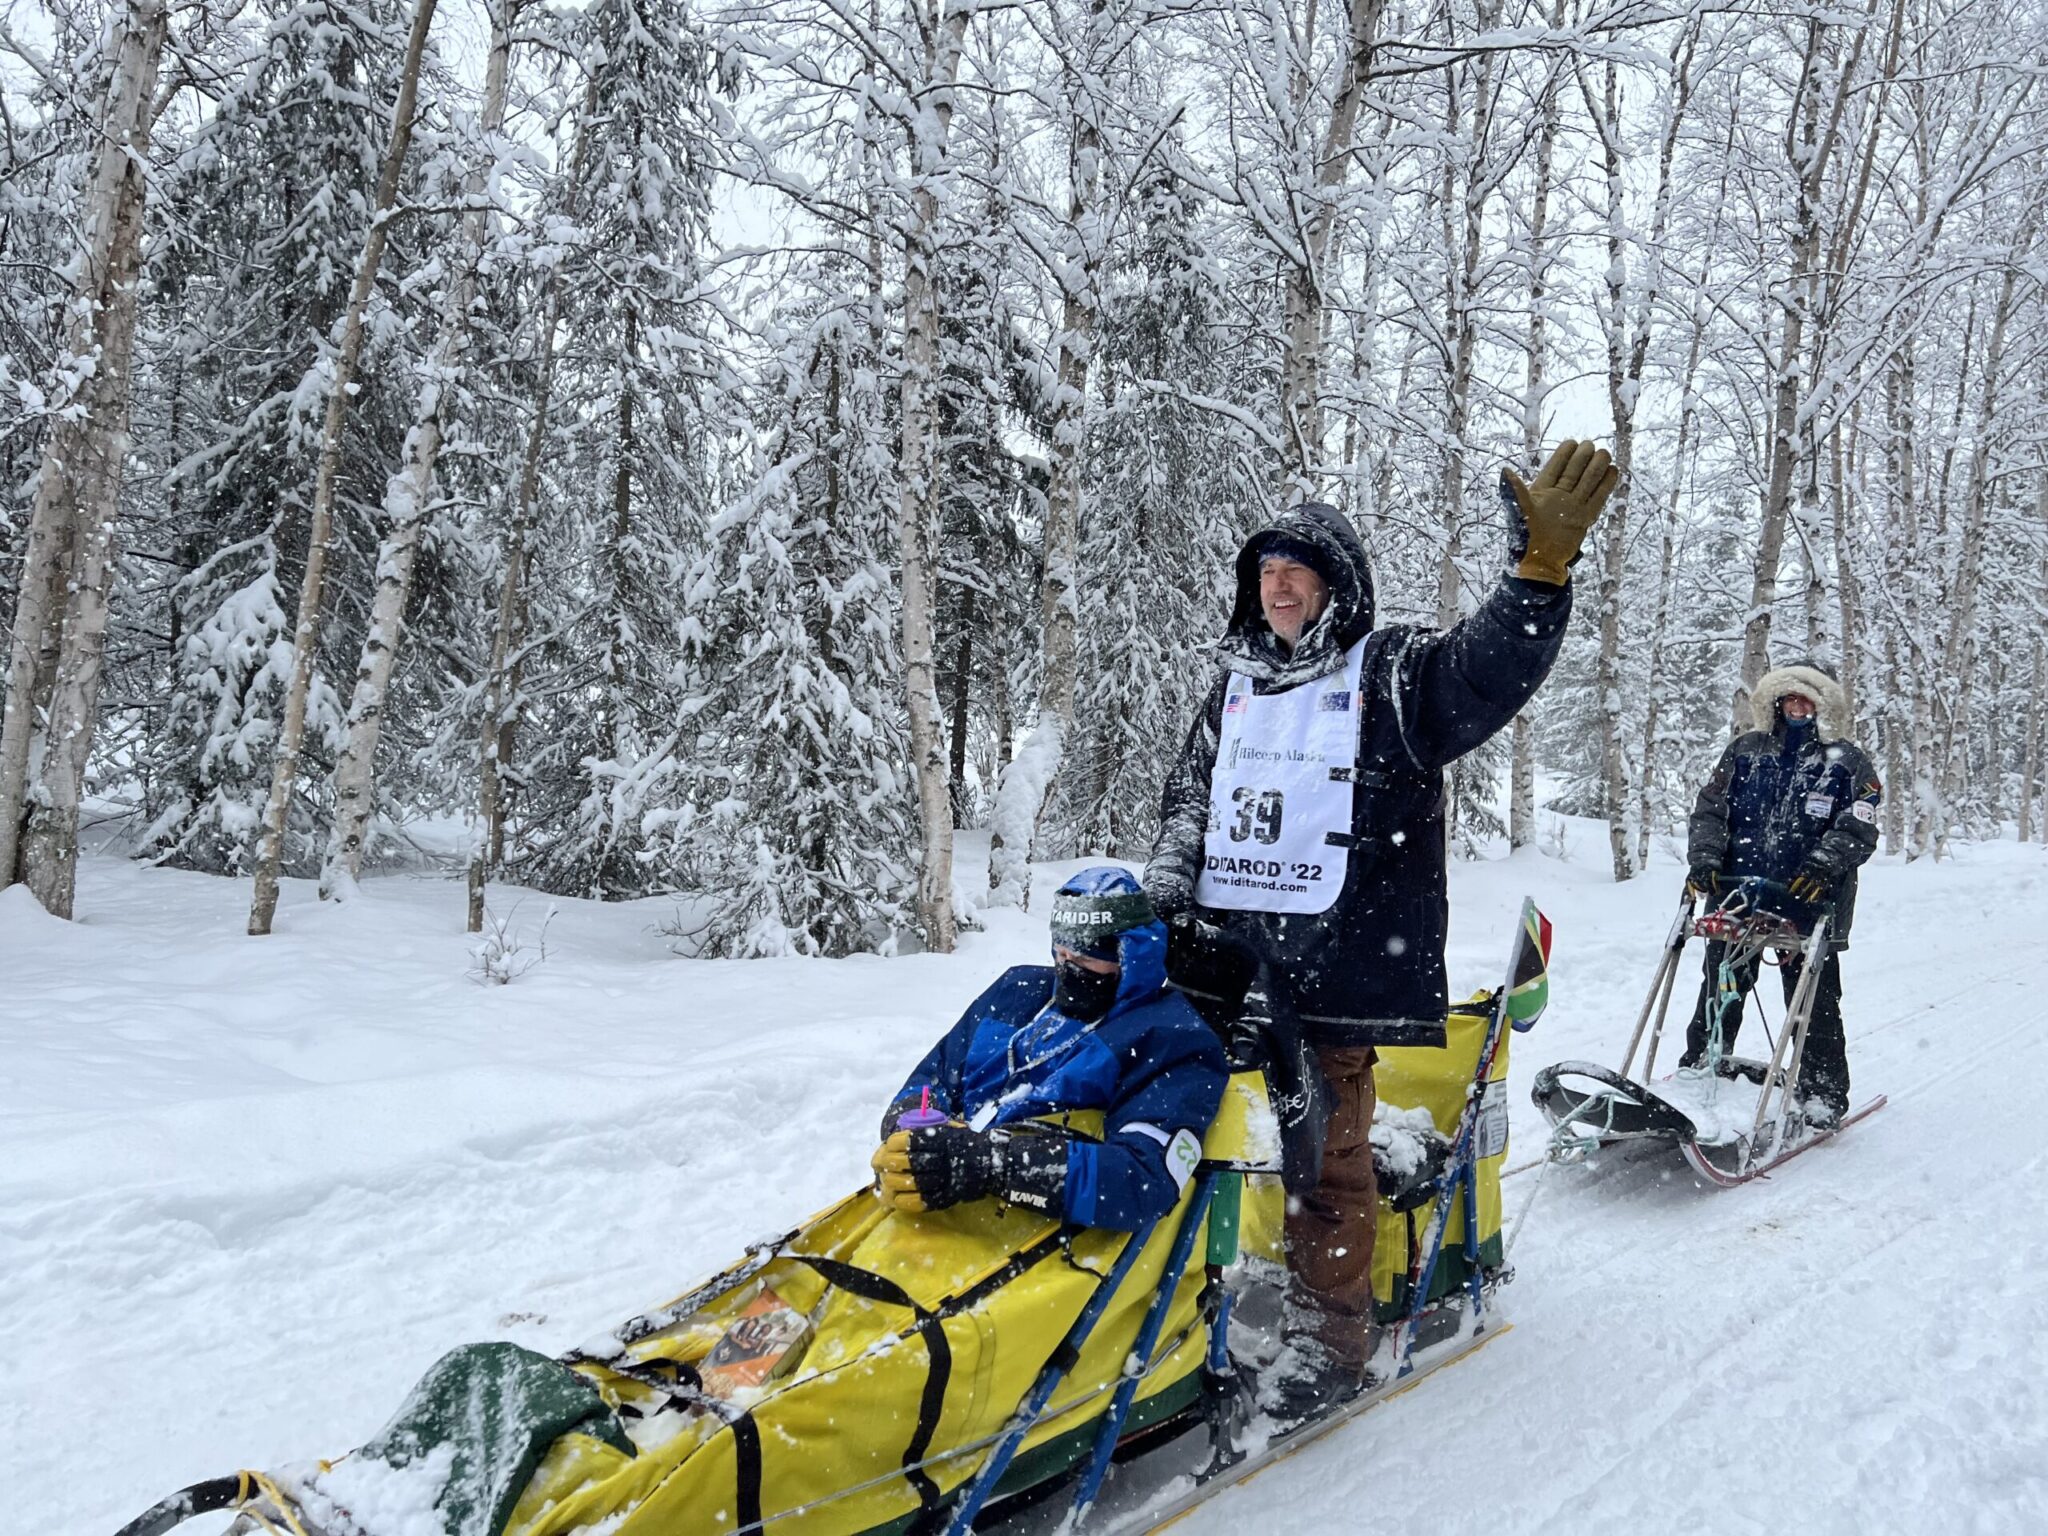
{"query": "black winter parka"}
pixel 1773 805
pixel 1370 971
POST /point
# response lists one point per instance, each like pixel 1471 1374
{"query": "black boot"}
pixel 1307 1382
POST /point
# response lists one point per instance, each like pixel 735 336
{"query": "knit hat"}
pixel 1275 545
pixel 1091 911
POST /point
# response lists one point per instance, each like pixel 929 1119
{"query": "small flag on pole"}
pixel 1529 975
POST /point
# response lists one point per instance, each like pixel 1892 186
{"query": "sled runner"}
pixel 880 1373
pixel 1733 1118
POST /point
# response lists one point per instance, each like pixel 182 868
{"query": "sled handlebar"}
pixel 1754 907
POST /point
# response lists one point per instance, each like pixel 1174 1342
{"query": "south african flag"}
pixel 1529 968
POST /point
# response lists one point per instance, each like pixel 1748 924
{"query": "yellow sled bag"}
pixel 872 1366
pixel 1426 1078
pixel 842 1381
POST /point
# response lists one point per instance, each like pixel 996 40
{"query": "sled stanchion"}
pixel 1666 964
pixel 1660 986
pixel 1474 1278
pixel 1803 996
pixel 1464 1168
pixel 1138 1361
pixel 1423 1272
pixel 1787 1051
pixel 1663 1010
pixel 1050 1376
pixel 1462 1189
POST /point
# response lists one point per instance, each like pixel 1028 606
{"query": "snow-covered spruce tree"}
pixel 991 502
pixel 1089 40
pixel 636 470
pixel 798 822
pixel 1172 491
pixel 263 228
pixel 506 564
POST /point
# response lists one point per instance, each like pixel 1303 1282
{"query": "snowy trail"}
pixel 248 1191
pixel 1851 1345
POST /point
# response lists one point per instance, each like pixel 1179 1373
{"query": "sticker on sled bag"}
pixel 766 1342
pixel 1490 1136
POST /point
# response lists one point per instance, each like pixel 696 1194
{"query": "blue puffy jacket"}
pixel 1150 1064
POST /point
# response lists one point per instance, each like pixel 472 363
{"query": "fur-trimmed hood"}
pixel 1805 676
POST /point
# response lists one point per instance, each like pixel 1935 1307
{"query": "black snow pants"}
pixel 1824 1071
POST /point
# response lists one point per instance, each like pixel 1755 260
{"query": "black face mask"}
pixel 1083 995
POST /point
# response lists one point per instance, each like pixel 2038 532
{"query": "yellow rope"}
pixel 253 1485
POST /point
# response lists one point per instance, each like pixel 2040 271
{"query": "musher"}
pixel 1794 801
pixel 1096 1030
pixel 1305 817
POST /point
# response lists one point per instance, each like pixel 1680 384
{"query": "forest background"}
pixel 720 449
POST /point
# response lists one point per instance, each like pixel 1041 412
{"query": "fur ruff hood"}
pixel 1813 680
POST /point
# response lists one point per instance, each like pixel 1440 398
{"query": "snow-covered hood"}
pixel 1249 645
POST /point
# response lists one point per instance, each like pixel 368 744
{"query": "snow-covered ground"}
pixel 250 1188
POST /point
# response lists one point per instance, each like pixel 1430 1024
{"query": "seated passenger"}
pixel 1095 1030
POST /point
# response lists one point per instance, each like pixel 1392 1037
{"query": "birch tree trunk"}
pixel 1025 790
pixel 1959 648
pixel 1462 246
pixel 1522 740
pixel 1846 595
pixel 1629 316
pixel 1463 203
pixel 1809 145
pixel 501 687
pixel 1301 414
pixel 312 589
pixel 1621 398
pixel 58 641
pixel 944 29
pixel 2030 762
pixel 2037 714
pixel 1907 678
pixel 406 494
pixel 1667 564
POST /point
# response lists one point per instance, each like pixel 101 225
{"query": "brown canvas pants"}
pixel 1330 1231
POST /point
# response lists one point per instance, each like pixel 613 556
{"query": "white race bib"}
pixel 1281 786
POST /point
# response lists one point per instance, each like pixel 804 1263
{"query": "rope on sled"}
pixel 1727 994
pixel 257 1484
pixel 1565 1144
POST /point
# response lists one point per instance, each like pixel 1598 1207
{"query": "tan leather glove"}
pixel 1810 885
pixel 895 1184
pixel 1554 513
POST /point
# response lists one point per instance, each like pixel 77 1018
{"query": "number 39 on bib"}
pixel 1281 786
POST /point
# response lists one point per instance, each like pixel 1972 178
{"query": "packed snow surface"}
pixel 251 1188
